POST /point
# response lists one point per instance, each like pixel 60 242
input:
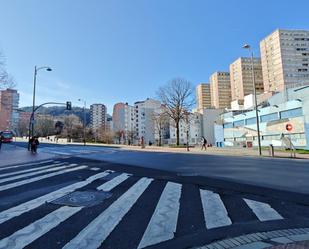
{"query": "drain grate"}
pixel 83 198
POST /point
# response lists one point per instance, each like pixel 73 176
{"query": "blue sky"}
pixel 109 51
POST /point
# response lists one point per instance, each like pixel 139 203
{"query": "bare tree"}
pixel 161 121
pixel 178 98
pixel 119 134
pixel 6 80
pixel 70 122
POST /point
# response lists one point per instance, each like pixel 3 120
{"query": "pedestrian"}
pixel 204 143
pixel 34 142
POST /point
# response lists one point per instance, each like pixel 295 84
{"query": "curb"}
pixel 261 240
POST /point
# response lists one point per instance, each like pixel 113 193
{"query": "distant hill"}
pixel 60 110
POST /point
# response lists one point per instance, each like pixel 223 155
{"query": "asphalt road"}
pixel 142 200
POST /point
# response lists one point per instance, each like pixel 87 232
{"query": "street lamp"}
pixel 84 121
pixel 246 46
pixel 36 69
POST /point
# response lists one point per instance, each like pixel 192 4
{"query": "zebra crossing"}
pixel 95 227
pixel 73 150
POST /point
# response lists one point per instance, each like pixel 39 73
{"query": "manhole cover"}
pixel 83 198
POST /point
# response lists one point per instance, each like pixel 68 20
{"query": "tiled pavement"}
pixel 279 239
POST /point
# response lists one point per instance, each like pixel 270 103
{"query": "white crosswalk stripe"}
pixel 215 213
pixel 263 211
pixel 38 178
pixel 162 225
pixel 108 186
pixel 30 170
pixel 97 231
pixel 30 233
pixel 36 173
pixel 27 164
pixel 30 205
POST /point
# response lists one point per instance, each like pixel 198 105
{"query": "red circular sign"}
pixel 289 127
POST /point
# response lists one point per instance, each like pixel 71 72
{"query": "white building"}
pixel 189 128
pixel 98 116
pixel 144 121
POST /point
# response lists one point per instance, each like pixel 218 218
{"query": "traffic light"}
pixel 69 105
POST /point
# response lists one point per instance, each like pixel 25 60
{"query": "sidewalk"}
pixel 12 154
pixel 297 238
pixel 227 151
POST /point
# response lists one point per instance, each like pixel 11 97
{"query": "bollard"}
pixel 271 150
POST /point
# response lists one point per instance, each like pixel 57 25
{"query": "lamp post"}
pixel 84 121
pixel 36 69
pixel 246 46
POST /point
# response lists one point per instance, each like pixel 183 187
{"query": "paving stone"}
pixel 282 240
pixel 240 240
pixel 222 243
pixel 235 242
pixel 232 242
pixel 217 246
pixel 261 235
pixel 300 237
pixel 254 245
pixel 245 238
pixel 252 238
pixel 254 235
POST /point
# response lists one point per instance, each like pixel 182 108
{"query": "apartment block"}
pixel 241 77
pixel 144 119
pixel 98 116
pixel 203 98
pixel 220 89
pixel 285 59
pixel 123 120
pixel 9 100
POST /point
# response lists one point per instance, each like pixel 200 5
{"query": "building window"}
pixel 250 121
pixel 239 123
pixel 228 125
pixel 269 117
pixel 291 113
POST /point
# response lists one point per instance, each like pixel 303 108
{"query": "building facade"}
pixel 203 98
pixel 98 116
pixel 220 89
pixel 240 126
pixel 123 121
pixel 190 130
pixel 285 59
pixel 241 78
pixel 9 100
pixel 144 119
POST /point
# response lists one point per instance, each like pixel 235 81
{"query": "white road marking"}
pixel 35 230
pixel 263 210
pixel 26 164
pixel 16 184
pixel 97 231
pixel 215 213
pixel 32 204
pixel 108 186
pixel 162 225
pixel 37 171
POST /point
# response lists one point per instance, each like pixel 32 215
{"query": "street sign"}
pixel 289 127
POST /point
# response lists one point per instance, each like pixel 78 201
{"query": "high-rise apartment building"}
pixel 285 59
pixel 98 117
pixel 241 77
pixel 9 100
pixel 220 89
pixel 123 120
pixel 203 98
pixel 144 119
